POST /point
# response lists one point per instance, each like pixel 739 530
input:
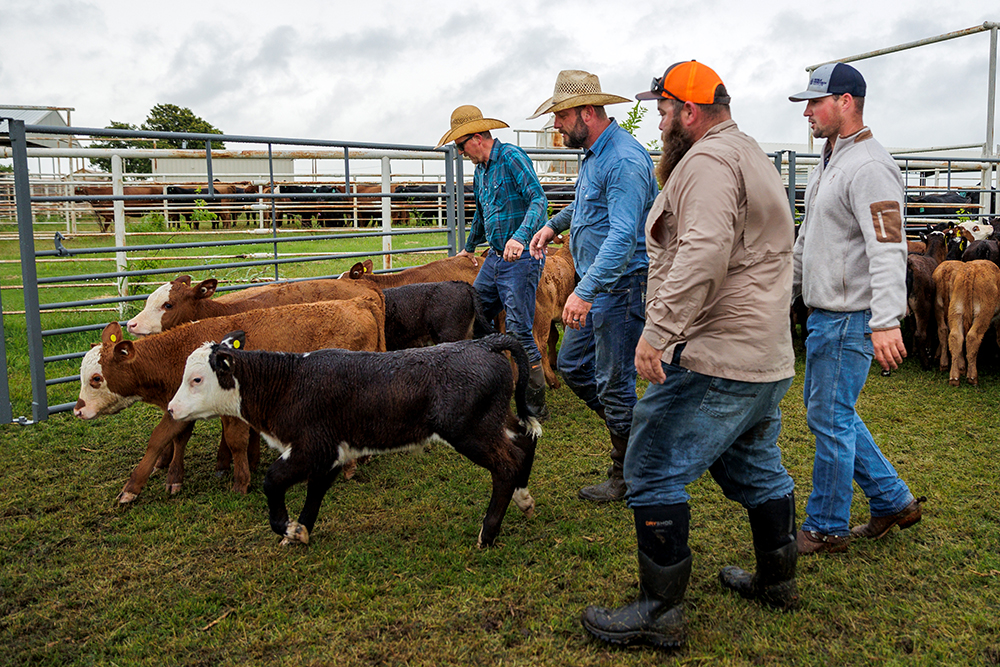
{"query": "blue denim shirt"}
pixel 510 202
pixel 614 193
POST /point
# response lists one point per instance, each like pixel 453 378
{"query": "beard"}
pixel 576 136
pixel 676 143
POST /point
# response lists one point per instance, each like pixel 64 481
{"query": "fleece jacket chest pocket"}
pixel 888 221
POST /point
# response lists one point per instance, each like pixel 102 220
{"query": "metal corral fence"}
pixel 86 221
pixel 426 213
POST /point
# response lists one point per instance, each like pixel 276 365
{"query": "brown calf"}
pixel 556 284
pixel 119 372
pixel 973 305
pixel 450 268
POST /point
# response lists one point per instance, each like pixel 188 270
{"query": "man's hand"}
pixel 648 362
pixel 539 241
pixel 575 312
pixel 889 348
pixel 512 251
pixel 466 253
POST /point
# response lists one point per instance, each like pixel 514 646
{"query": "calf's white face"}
pixel 95 397
pixel 200 396
pixel 150 320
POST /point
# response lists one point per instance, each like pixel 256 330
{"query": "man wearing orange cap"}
pixel 510 207
pixel 717 352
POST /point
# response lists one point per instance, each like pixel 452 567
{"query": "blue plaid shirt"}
pixel 614 192
pixel 510 202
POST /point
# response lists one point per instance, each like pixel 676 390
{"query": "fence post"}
pixel 386 212
pixel 791 182
pixel 451 199
pixel 121 260
pixel 29 274
pixel 460 190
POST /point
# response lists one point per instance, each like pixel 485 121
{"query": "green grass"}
pixel 392 575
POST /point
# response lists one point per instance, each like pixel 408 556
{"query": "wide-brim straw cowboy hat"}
pixel 576 88
pixel 468 119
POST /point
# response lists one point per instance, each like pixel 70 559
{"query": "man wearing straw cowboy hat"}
pixel 604 315
pixel 510 208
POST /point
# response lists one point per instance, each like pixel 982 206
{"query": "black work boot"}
pixel 613 488
pixel 656 618
pixel 535 395
pixel 773 584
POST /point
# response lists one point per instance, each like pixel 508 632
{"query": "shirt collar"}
pixel 605 137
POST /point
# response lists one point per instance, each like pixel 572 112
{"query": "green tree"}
pixel 634 118
pixel 130 165
pixel 161 118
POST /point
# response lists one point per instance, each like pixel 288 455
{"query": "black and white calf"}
pixel 323 409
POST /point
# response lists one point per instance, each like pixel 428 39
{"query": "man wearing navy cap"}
pixel 850 267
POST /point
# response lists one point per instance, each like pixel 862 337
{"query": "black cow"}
pixel 947 205
pixel 431 313
pixel 325 408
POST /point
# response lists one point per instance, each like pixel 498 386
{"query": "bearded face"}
pixel 676 142
pixel 575 134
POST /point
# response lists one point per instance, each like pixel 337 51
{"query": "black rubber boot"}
pixel 535 395
pixel 656 618
pixel 773 584
pixel 613 488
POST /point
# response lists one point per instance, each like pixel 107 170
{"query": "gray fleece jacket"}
pixel 851 251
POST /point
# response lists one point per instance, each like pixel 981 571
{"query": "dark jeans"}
pixel 511 286
pixel 598 360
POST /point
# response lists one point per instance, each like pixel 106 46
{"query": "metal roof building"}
pixel 37 116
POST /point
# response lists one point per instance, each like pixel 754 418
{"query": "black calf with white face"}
pixel 325 408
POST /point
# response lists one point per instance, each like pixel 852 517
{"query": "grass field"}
pixel 392 575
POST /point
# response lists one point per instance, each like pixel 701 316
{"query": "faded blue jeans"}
pixel 692 423
pixel 511 286
pixel 598 360
pixel 839 355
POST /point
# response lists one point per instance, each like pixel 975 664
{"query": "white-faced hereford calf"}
pixel 118 373
pixel 325 408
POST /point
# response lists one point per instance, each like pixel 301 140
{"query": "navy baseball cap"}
pixel 832 79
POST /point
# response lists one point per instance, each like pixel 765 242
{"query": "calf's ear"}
pixel 124 351
pixel 206 288
pixel 186 280
pixel 221 361
pixel 356 271
pixel 112 334
pixel 235 340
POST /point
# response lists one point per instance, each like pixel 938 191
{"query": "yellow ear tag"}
pixel 236 343
pixel 114 338
pixel 364 269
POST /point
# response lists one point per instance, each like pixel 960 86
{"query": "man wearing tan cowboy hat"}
pixel 604 314
pixel 510 208
pixel 717 352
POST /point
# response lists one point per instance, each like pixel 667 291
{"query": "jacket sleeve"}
pixel 705 200
pixel 876 197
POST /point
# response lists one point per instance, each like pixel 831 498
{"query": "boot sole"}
pixel 631 638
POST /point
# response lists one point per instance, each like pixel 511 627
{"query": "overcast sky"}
pixel 393 71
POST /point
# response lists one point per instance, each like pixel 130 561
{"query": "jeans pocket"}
pixel 728 399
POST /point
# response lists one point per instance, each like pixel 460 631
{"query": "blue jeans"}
pixel 839 354
pixel 598 360
pixel 511 286
pixel 692 423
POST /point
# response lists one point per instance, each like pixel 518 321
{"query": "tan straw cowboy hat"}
pixel 576 88
pixel 468 119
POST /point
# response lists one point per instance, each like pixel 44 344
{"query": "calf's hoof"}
pixel 173 489
pixel 953 382
pixel 524 502
pixel 295 532
pixel 126 497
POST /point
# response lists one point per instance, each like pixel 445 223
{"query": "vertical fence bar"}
pixel 121 259
pixel 792 183
pixel 29 274
pixel 451 199
pixel 6 409
pixel 274 212
pixel 386 212
pixel 460 202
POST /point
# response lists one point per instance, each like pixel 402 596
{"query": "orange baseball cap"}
pixel 687 81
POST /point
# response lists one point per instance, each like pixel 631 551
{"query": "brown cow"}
pixel 920 291
pixel 557 283
pixel 118 373
pixel 974 305
pixel 450 268
pixel 177 302
pixel 104 208
pixel 944 278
